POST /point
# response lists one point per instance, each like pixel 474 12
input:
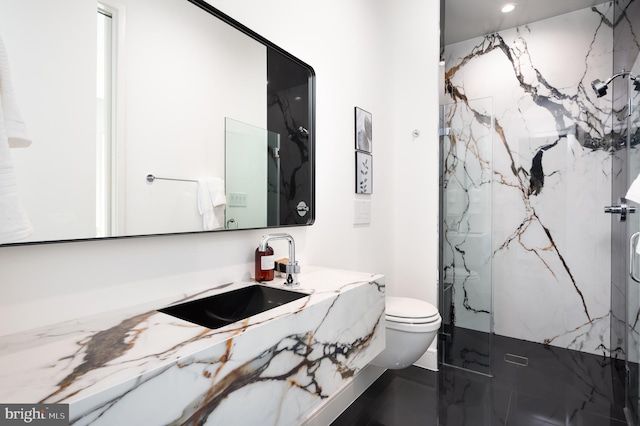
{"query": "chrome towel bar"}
pixel 151 178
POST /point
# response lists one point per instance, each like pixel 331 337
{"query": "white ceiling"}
pixel 466 19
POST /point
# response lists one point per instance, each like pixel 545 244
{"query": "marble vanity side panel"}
pixel 274 373
pixel 551 167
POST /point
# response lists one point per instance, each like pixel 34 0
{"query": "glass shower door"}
pixel 625 254
pixel 632 393
pixel 465 235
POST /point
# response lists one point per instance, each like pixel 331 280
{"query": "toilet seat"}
pixel 410 311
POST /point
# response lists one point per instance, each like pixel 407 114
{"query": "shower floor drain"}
pixel 516 359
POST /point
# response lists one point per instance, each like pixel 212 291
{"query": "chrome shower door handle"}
pixel 633 243
pixel 622 209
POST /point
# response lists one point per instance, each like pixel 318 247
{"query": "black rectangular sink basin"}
pixel 226 308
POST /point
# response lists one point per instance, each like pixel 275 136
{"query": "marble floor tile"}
pixel 556 387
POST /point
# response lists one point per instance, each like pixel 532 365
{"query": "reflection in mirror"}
pixel 252 169
pixel 257 165
pixel 122 99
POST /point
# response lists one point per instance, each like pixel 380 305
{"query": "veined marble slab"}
pixel 143 367
pixel 528 169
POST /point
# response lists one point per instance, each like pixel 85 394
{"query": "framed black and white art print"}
pixel 364 173
pixel 364 126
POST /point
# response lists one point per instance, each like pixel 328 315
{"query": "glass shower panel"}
pixel 248 158
pixel 633 289
pixel 465 236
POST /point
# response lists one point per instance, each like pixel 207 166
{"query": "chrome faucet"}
pixel 292 267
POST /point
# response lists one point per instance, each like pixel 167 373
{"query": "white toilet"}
pixel 411 325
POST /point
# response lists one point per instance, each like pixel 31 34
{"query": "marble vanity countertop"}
pixel 93 363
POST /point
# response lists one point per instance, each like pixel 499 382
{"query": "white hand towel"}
pixel 211 202
pixel 15 127
pixel 216 191
pixel 14 223
pixel 204 205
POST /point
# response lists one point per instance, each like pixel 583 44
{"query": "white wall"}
pixel 380 55
pixel 50 67
pixel 415 94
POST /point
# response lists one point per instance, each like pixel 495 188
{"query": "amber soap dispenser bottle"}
pixel 265 264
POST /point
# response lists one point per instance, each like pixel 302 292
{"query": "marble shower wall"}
pixel 546 174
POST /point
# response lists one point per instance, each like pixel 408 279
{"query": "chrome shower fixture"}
pixel 601 88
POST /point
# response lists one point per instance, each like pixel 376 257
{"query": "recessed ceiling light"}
pixel 508 8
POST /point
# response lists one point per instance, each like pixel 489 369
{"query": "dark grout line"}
pixel 506 417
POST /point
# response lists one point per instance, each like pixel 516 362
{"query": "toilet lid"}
pixel 404 309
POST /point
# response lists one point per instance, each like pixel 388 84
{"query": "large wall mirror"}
pixel 147 117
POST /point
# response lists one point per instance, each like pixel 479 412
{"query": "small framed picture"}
pixel 364 173
pixel 363 130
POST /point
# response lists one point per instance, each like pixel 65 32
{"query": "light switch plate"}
pixel 362 212
pixel 237 199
